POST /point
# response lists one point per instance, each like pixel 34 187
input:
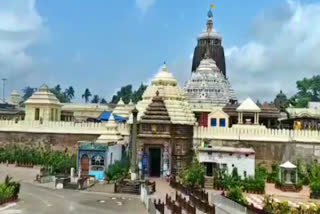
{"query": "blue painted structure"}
pixel 97 154
pixel 100 157
pixel 106 115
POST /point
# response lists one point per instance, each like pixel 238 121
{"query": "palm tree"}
pixel 70 92
pixel 86 95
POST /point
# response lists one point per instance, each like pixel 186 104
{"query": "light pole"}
pixel 3 90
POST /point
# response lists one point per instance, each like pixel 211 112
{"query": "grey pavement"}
pixel 36 199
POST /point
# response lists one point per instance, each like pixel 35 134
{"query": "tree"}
pixel 137 95
pixel 70 92
pixel 28 92
pixel 103 101
pixel 96 99
pixel 86 95
pixel 63 97
pixel 127 94
pixel 308 90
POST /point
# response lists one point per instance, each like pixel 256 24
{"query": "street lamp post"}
pixel 3 89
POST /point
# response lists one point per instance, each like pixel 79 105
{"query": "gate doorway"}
pixel 155 162
pixel 84 163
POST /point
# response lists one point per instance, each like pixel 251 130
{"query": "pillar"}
pixel 239 119
pixel 133 161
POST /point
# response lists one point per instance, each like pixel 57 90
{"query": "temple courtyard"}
pixel 36 199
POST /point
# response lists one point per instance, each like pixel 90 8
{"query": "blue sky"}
pixel 105 44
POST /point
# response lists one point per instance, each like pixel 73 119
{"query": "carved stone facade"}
pixel 163 147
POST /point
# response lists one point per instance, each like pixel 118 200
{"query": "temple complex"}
pixel 165 130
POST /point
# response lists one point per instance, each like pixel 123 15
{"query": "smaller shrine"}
pixel 252 115
pixel 43 105
pixel 288 177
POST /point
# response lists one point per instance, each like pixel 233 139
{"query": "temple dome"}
pixel 15 98
pixel 43 96
pixel 164 77
pixel 166 86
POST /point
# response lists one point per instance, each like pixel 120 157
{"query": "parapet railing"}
pixel 249 134
pixel 60 127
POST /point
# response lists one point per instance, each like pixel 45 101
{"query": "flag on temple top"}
pixel 212 6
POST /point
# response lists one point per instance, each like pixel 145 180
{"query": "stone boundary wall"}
pixel 59 127
pixel 264 135
pixel 54 141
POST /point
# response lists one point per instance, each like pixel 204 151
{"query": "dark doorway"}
pixel 155 161
pixel 209 171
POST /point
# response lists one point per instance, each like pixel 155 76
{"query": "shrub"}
pixel 118 170
pixel 236 194
pixel 193 176
pixel 60 162
pixel 9 189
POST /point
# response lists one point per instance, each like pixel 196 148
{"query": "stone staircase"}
pixel 208 182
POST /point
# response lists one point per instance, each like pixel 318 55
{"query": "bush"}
pixel 9 189
pixel 59 162
pixel 236 194
pixel 252 184
pixel 118 170
pixel 193 176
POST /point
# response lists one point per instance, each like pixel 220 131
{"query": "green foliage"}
pixel 59 162
pixel 95 99
pixel 127 94
pixel 308 90
pixel 273 177
pixel 253 184
pixel 9 189
pixel 86 95
pixel 63 96
pixel 193 176
pixel 118 170
pixel 283 207
pixel 103 101
pixel 236 194
pixel 315 180
pixel 27 92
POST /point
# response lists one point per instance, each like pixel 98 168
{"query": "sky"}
pixel 105 44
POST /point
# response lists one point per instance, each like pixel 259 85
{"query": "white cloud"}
pixel 285 47
pixel 20 28
pixel 144 5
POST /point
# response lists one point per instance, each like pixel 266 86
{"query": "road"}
pixel 39 200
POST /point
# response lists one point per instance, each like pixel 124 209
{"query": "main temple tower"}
pixel 209 38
